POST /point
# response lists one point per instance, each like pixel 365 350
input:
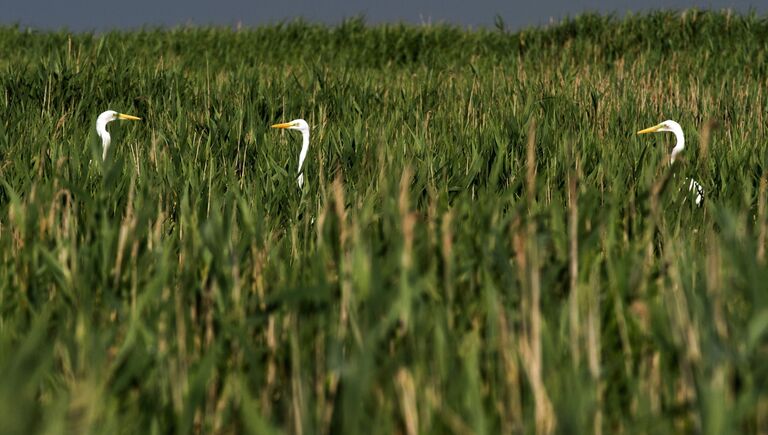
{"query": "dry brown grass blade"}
pixel 528 263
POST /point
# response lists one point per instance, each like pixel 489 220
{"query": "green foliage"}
pixel 421 281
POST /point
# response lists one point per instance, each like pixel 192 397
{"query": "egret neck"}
pixel 680 145
pixel 303 154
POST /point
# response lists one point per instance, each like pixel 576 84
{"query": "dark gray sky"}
pixel 108 14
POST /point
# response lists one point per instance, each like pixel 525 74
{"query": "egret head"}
pixel 111 115
pixel 296 124
pixel 667 125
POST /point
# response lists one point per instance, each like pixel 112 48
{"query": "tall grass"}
pixel 483 245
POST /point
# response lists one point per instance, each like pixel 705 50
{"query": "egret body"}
pixel 674 127
pixel 303 127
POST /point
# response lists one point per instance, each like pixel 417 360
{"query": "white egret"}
pixel 675 128
pixel 101 127
pixel 303 127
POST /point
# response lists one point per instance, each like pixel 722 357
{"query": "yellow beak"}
pixel 653 129
pixel 283 125
pixel 128 117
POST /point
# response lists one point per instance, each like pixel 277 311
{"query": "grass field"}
pixel 482 244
